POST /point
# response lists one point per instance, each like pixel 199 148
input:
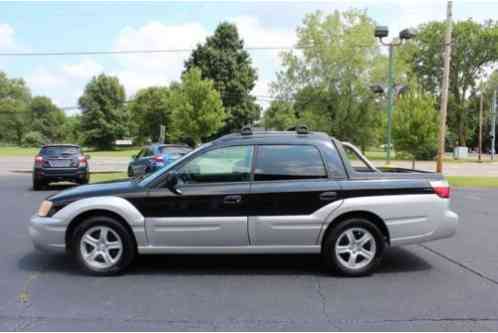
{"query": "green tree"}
pixel 47 119
pixel 14 102
pixel 197 108
pixel 150 109
pixel 330 81
pixel 280 115
pixel 223 60
pixel 104 117
pixel 415 125
pixel 474 48
pixel 72 129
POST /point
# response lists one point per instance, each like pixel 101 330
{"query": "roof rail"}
pixel 246 130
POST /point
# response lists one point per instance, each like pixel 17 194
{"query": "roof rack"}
pixel 246 130
pixel 300 129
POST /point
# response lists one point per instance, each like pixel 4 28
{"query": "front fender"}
pixel 117 205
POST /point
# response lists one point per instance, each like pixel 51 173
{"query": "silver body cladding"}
pixel 409 219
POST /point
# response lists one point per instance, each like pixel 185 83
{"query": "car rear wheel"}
pixel 83 181
pixel 103 246
pixel 38 185
pixel 354 247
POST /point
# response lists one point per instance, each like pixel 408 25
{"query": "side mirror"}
pixel 172 181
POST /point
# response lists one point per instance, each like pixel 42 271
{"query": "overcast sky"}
pixel 91 26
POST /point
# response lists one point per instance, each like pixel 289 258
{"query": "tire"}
pixel 83 181
pixel 107 261
pixel 130 172
pixel 352 258
pixel 38 185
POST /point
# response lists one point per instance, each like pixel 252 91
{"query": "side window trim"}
pixel 327 177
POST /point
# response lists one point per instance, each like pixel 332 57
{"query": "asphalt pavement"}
pixel 445 285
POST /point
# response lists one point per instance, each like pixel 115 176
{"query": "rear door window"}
pixel 288 162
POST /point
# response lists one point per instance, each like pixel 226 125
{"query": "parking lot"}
pixel 445 285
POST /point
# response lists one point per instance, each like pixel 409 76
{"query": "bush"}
pixel 33 139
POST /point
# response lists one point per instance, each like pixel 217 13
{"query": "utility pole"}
pixel 493 125
pixel 444 90
pixel 390 103
pixel 480 125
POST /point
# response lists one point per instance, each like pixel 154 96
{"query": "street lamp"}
pixel 381 32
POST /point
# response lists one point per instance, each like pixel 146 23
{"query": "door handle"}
pixel 232 199
pixel 328 196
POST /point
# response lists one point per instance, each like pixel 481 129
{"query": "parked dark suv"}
pixel 60 163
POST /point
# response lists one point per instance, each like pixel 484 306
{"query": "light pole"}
pixel 381 32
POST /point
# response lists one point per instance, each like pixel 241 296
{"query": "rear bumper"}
pixel 48 234
pixel 61 173
pixel 444 227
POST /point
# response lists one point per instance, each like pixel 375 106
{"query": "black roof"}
pixel 60 145
pixel 172 145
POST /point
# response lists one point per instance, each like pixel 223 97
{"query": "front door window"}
pixel 229 164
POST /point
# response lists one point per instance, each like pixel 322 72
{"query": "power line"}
pixel 78 53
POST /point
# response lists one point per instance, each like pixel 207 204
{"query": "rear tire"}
pixel 83 181
pixel 354 247
pixel 38 185
pixel 102 246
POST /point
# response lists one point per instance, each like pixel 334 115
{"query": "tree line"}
pixel 324 83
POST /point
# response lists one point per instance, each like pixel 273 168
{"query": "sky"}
pixel 105 26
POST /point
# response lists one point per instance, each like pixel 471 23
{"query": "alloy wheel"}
pixel 355 248
pixel 101 247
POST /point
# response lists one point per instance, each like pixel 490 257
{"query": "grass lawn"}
pixel 23 151
pixel 102 177
pixel 468 181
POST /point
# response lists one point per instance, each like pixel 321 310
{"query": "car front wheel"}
pixel 103 246
pixel 354 247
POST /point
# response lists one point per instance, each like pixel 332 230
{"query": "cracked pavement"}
pixel 445 285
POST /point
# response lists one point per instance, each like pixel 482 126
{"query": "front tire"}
pixel 103 246
pixel 354 247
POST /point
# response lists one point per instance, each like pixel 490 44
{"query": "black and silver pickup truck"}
pixel 251 192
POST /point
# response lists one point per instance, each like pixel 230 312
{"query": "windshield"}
pixel 149 178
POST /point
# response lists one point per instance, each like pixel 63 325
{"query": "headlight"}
pixel 44 208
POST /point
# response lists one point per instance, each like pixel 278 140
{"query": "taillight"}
pixel 441 188
pixel 158 158
pixel 82 161
pixel 38 161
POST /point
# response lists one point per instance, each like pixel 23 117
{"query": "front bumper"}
pixel 48 234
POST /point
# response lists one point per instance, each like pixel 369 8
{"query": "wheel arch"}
pixel 92 213
pixel 374 218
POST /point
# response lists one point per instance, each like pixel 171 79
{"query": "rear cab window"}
pixel 288 162
pixel 59 150
pixel 356 161
pixel 175 152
